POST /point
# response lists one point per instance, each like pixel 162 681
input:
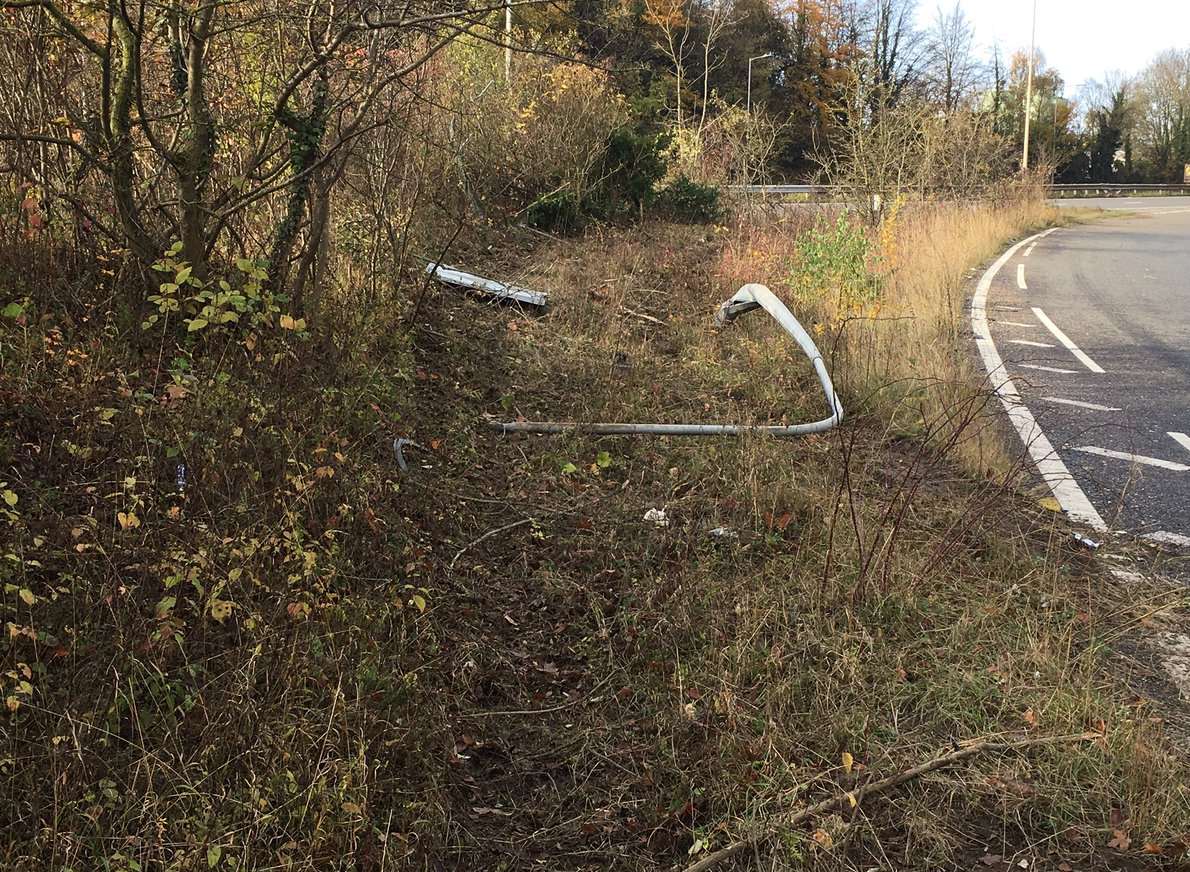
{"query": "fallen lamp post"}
pixel 487 287
pixel 747 299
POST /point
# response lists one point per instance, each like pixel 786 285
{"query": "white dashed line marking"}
pixel 1094 407
pixel 1182 439
pixel 1047 368
pixel 1167 538
pixel 1020 277
pixel 1065 489
pixel 1030 343
pixel 1016 324
pixel 1083 357
pixel 1134 458
pixel 1029 250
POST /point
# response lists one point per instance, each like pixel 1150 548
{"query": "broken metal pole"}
pixel 488 287
pixel 749 298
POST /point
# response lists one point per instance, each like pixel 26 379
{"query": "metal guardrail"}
pixel 780 189
pixel 748 298
pixel 1114 189
pixel 1080 189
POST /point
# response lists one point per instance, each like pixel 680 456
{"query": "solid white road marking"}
pixel 1063 486
pixel 1015 324
pixel 1134 458
pixel 1094 407
pixel 1048 368
pixel 1167 538
pixel 1031 343
pixel 1182 439
pixel 1065 340
pixel 1020 277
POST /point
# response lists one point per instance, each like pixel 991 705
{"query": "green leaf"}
pixel 9 497
pixel 27 596
pixel 603 460
pixel 196 324
pixel 166 605
pixel 569 469
pixel 214 853
pixel 167 288
pixel 419 601
pixel 13 310
pixel 183 274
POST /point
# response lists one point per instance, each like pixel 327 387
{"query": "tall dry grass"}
pixel 895 327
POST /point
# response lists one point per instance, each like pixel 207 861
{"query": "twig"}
pixel 948 759
pixel 489 534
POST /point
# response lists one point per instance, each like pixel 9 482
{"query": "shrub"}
pixel 686 200
pixel 557 212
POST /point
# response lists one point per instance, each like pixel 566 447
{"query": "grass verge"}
pixel 291 655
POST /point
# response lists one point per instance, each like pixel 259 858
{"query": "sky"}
pixel 1083 39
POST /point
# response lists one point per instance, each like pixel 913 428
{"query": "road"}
pixel 1091 324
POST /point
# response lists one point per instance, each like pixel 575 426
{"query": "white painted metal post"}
pixel 1029 88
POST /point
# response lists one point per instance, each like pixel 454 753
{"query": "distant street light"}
pixel 1029 88
pixel 757 58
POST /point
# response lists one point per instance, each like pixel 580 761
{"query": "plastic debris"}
pixel 488 287
pixel 1090 544
pixel 724 533
pixel 657 517
pixel 181 478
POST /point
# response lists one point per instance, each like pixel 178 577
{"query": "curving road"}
pixel 1087 331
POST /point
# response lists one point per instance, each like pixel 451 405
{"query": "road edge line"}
pixel 1053 471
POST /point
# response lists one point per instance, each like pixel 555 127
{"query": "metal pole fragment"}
pixel 747 299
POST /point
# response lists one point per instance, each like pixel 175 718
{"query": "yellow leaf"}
pixel 851 799
pixel 27 596
pixel 823 838
pixel 848 762
pixel 221 609
pixel 1050 504
pixel 352 808
pixel 128 520
pixel 287 322
pixel 13 703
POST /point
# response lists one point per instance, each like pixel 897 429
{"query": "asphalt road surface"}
pixel 1092 326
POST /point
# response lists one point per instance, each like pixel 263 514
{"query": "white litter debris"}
pixel 723 533
pixel 490 287
pixel 657 517
pixel 1085 542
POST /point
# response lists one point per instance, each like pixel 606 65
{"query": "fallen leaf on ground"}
pixel 1120 840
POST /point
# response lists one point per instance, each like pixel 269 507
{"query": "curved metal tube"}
pixel 748 298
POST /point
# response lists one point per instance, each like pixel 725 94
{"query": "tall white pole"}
pixel 1029 88
pixel 507 41
pixel 749 103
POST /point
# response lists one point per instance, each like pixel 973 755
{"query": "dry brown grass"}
pixel 582 690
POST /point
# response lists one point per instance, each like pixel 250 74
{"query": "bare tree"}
pixel 894 50
pixel 1163 114
pixel 953 70
pixel 225 127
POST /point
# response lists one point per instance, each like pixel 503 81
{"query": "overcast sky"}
pixel 1082 38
